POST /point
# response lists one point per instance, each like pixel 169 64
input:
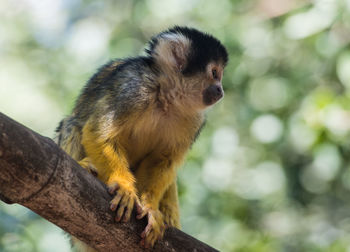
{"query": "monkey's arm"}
pixel 109 158
pixel 169 207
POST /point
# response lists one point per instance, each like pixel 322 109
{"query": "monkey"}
pixel 136 118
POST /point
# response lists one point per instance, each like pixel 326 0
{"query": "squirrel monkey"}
pixel 136 118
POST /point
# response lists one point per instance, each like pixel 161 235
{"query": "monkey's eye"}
pixel 215 74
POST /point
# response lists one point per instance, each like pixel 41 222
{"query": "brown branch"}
pixel 36 173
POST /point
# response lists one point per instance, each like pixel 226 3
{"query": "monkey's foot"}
pixel 87 164
pixel 170 218
pixel 155 227
pixel 123 201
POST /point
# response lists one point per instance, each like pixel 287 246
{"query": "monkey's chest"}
pixel 153 137
pixel 139 146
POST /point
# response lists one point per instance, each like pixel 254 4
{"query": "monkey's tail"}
pixel 68 137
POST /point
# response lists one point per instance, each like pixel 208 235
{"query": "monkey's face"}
pixel 212 89
pixel 204 88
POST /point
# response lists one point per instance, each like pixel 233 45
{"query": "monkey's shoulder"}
pixel 117 85
pixel 130 68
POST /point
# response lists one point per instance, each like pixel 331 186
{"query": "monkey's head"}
pixel 194 63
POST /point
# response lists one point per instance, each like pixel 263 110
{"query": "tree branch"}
pixel 36 173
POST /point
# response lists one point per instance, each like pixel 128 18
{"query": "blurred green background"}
pixel 271 170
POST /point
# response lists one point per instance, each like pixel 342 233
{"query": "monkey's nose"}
pixel 212 94
pixel 217 91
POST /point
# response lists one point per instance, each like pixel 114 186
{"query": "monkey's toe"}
pixel 171 220
pixel 154 230
pixel 123 203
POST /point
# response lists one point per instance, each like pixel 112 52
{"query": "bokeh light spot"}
pixel 267 128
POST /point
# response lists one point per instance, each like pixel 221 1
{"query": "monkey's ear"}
pixel 171 50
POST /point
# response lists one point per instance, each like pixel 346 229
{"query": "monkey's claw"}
pixel 123 202
pixel 155 227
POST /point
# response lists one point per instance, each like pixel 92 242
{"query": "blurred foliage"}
pixel 271 170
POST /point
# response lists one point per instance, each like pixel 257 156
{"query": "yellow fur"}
pixel 169 206
pixel 140 158
pixel 132 126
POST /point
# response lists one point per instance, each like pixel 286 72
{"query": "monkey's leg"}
pixel 113 168
pixel 154 176
pixel 87 164
pixel 169 207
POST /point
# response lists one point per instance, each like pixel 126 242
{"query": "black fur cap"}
pixel 204 48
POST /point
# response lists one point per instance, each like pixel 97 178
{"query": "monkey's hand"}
pixel 155 227
pixel 87 164
pixel 124 200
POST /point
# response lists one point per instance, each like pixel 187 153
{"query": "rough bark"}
pixel 36 173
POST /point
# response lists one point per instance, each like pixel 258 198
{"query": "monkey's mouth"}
pixel 212 94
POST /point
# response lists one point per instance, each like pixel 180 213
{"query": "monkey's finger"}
pixel 122 207
pixel 150 239
pixel 138 207
pixel 120 212
pixel 128 210
pixel 115 202
pixel 142 214
pixel 142 243
pixel 147 230
pixel 113 188
pixel 143 234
